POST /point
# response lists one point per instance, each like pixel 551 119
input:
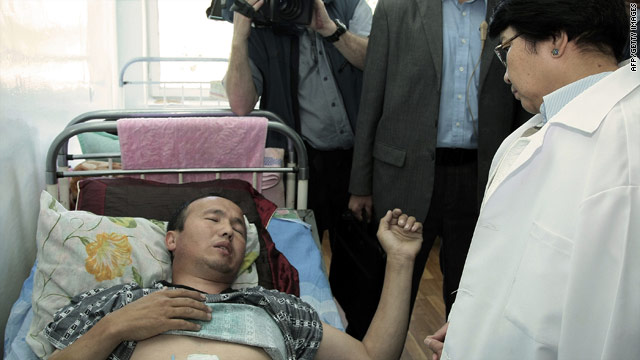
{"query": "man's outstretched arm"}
pixel 143 318
pixel 401 238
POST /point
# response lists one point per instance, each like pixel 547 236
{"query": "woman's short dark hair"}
pixel 593 24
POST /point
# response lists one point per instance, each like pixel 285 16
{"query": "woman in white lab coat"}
pixel 553 271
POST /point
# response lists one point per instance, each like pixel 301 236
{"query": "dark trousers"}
pixel 452 216
pixel 329 172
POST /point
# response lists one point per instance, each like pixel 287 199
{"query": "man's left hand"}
pixel 400 234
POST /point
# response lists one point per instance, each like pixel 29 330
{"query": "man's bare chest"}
pixel 179 347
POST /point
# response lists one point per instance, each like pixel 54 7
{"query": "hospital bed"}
pixel 124 203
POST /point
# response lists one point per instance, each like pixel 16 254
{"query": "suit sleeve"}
pixel 371 103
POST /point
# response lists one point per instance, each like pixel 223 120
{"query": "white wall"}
pixel 58 60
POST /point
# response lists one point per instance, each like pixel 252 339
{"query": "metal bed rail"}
pixel 297 169
pixel 180 88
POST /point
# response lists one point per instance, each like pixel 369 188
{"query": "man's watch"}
pixel 339 31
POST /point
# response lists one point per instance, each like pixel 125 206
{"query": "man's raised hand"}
pixel 400 234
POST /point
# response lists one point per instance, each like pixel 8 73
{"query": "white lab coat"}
pixel 553 271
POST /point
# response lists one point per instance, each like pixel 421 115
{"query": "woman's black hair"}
pixel 593 24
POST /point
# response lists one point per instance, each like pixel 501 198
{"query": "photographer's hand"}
pixel 320 21
pixel 242 24
pixel 350 45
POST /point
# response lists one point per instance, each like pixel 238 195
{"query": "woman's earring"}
pixel 555 52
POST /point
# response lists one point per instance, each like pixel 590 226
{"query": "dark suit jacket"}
pixel 394 153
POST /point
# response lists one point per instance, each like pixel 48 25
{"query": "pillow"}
pixel 84 166
pixel 294 237
pixel 98 142
pixel 80 251
pixel 155 200
pixel 248 274
pixel 129 196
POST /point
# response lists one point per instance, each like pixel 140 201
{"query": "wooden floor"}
pixel 428 311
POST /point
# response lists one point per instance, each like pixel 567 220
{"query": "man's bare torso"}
pixel 162 347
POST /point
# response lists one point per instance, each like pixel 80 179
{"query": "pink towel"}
pixel 182 143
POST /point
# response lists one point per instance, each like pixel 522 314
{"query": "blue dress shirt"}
pixel 461 48
pixel 554 102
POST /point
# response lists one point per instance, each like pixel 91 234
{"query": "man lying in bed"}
pixel 207 239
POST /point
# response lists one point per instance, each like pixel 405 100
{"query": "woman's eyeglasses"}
pixel 502 50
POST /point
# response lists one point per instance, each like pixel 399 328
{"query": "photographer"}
pixel 311 77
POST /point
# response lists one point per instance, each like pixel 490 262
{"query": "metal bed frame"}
pixel 57 161
pixel 181 95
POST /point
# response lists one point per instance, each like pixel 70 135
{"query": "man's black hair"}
pixel 593 24
pixel 180 214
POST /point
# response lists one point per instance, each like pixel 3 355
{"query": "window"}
pixel 188 54
pixel 181 29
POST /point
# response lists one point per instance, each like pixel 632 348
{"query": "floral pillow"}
pixel 79 251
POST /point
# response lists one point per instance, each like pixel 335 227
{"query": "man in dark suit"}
pixel 433 111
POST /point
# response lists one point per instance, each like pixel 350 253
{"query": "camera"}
pixel 272 12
